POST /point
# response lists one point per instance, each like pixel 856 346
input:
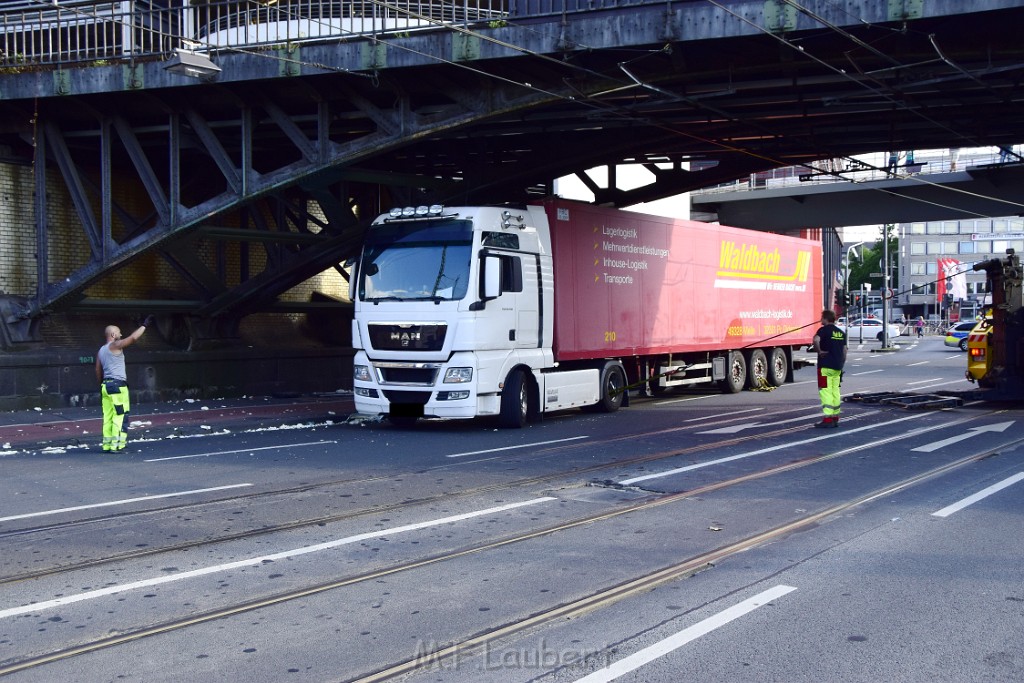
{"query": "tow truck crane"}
pixel 1004 355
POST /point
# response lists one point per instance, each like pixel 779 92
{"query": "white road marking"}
pixel 866 372
pixel 974 431
pixel 685 400
pixel 125 501
pixel 924 381
pixel 522 445
pixel 924 362
pixel 672 643
pixel 960 381
pixel 984 493
pixel 741 456
pixel 739 428
pixel 256 561
pixel 240 450
pixel 705 418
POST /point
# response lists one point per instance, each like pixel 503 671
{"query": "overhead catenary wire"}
pixel 586 100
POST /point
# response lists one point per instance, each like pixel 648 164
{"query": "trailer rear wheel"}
pixel 757 369
pixel 515 401
pixel 778 367
pixel 735 373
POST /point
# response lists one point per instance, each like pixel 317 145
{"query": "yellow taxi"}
pixel 978 358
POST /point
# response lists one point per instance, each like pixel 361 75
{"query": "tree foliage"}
pixel 870 261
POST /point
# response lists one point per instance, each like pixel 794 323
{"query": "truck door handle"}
pixel 511 335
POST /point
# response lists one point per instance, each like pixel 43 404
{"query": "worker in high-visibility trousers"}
pixel 113 379
pixel 830 344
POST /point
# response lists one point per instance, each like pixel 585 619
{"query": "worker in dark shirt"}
pixel 830 344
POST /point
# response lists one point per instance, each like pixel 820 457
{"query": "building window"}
pixel 949 248
pixel 967 247
pixel 999 226
pixel 932 268
pixel 917 268
pixel 917 228
pixel 934 228
pixel 950 228
pixel 982 247
pixel 935 248
pixel 917 248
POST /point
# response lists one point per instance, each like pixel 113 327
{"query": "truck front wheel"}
pixel 515 401
pixel 735 373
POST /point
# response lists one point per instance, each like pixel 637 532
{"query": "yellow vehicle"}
pixel 979 360
pixel 998 356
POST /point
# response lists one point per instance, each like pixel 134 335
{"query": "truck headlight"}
pixel 458 375
pixel 361 373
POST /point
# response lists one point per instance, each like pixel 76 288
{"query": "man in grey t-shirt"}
pixel 110 373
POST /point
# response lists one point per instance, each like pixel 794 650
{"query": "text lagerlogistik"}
pixel 631 249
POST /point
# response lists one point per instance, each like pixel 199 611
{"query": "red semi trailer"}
pixel 469 311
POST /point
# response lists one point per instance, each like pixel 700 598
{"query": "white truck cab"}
pixel 451 305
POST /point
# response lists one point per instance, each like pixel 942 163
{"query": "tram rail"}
pixel 597 599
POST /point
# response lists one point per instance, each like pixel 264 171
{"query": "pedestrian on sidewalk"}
pixel 113 379
pixel 920 326
pixel 830 343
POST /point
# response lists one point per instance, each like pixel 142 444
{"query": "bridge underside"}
pixel 280 162
pixel 980 192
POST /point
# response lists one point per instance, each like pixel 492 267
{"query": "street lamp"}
pixel 846 276
pixel 188 63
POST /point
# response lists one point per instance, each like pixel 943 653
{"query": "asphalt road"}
pixel 693 536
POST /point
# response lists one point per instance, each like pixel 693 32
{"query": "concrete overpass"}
pixel 979 192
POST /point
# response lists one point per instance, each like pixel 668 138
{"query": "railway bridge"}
pixel 214 163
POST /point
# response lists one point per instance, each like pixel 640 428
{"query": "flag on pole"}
pixel 952 280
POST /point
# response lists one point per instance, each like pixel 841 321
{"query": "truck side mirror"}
pixel 491 277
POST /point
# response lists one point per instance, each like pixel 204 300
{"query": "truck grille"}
pixel 416 374
pixel 407 336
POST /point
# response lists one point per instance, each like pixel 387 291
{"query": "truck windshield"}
pixel 416 261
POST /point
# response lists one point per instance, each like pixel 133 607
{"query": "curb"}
pixel 38 429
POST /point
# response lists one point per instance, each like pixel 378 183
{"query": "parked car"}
pixel 957 334
pixel 872 329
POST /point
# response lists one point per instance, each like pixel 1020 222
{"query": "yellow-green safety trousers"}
pixel 828 391
pixel 116 403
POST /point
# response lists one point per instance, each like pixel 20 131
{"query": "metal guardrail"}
pixel 842 171
pixel 40 33
pixel 541 8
